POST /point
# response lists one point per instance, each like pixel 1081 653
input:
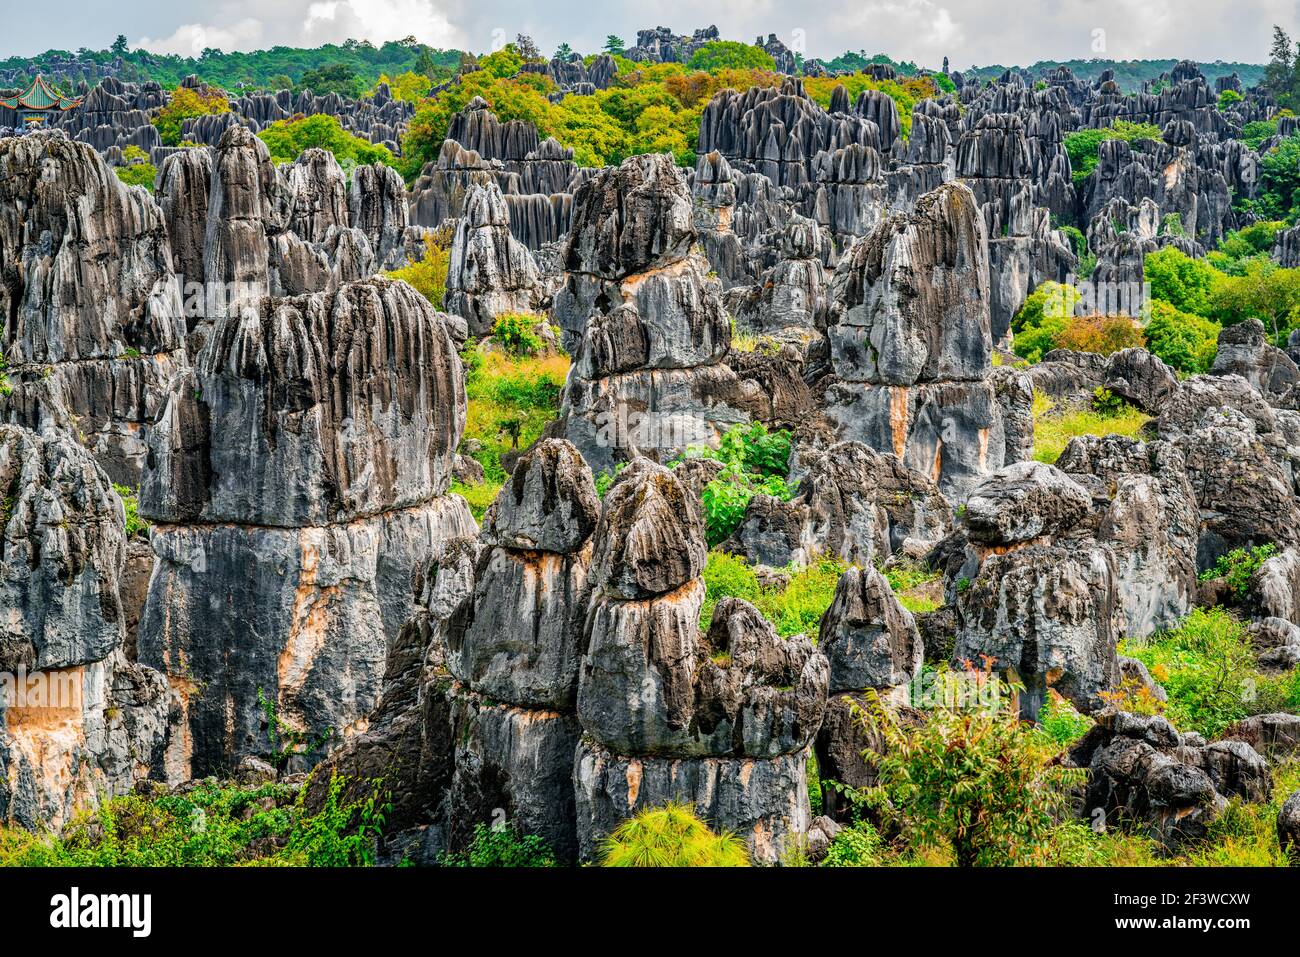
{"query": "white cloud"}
pixel 333 21
pixel 191 39
pixel 968 31
pixel 251 25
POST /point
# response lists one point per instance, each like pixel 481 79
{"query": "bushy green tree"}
pixel 973 779
pixel 1185 341
pixel 338 78
pixel 1279 179
pixel 286 139
pixel 1183 282
pixel 1082 145
pixel 1042 318
pixel 730 55
pixel 186 103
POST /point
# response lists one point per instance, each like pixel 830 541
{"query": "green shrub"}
pixel 211 826
pixel 974 780
pixel 1044 316
pixel 1178 279
pixel 730 55
pixel 428 276
pixel 1061 722
pixel 1186 342
pixel 1053 430
pixel 1208 670
pixel 1237 566
pixel 756 462
pixel 511 401
pixel 726 497
pixel 794 608
pixel 1082 145
pixel 858 845
pixel 477 497
pixel 502 846
pixel 514 332
pixel 186 103
pixel 286 139
pixel 1254 134
pixel 138 171
pixel 135 525
pixel 671 836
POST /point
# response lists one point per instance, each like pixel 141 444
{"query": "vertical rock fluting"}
pixel 515 650
pixel 722 721
pixel 87 298
pixel 643 321
pixel 910 343
pixel 490 272
pixel 78 721
pixel 299 477
pixel 996 159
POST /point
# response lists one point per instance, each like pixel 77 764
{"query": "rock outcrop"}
pixel 723 721
pixel 88 297
pixel 78 721
pixel 299 479
pixel 643 321
pixel 910 343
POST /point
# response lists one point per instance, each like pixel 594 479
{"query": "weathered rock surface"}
pixel 87 294
pixel 298 484
pixel 78 721
pixel 1143 774
pixel 723 720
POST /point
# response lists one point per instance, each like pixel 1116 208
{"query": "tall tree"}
pixel 527 48
pixel 563 52
pixel 119 45
pixel 614 46
pixel 1279 74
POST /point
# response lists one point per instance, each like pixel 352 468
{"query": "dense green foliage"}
pixel 286 139
pixel 516 333
pixel 730 55
pixel 671 836
pixel 969 779
pixel 794 607
pixel 1043 316
pixel 138 171
pixel 1185 341
pixel 135 525
pixel 755 463
pixel 260 69
pixel 186 103
pixel 1282 73
pixel 1053 428
pixel 428 276
pixel 1236 566
pixel 511 399
pixel 1208 669
pixel 501 846
pixel 210 826
pixel 1082 145
pixel 649 108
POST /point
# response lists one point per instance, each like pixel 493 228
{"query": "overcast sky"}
pixel 968 31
